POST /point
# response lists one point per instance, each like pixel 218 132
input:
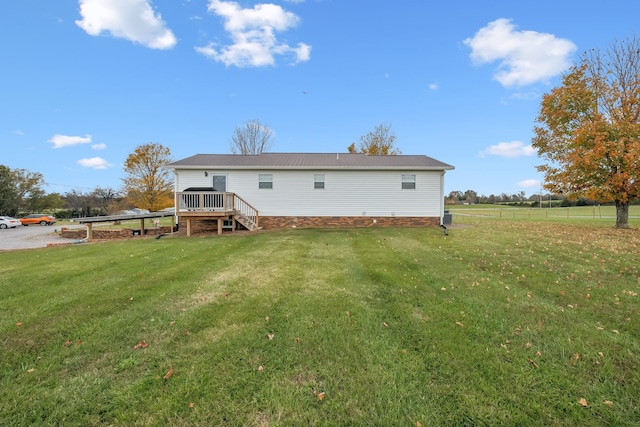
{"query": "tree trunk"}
pixel 622 214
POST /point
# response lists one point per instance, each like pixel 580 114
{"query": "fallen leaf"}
pixel 385 324
pixel 172 322
pixel 347 313
pixel 191 405
pixel 321 396
pixel 443 289
pixel 187 332
pixel 533 363
pixel 18 323
pixel 600 328
pixel 608 403
pixel 601 354
pixel 260 368
pixel 615 331
pixel 266 319
pixel 583 402
pixel 141 344
pixel 270 336
pixel 78 342
pixel 168 374
pixel 460 324
pixel 31 370
pixel 418 424
pixel 297 339
pixel 67 343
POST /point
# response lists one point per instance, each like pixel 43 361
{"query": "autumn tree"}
pixel 254 137
pixel 589 128
pixel 379 142
pixel 148 184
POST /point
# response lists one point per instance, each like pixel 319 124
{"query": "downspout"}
pixel 442 197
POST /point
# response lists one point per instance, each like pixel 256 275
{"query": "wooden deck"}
pixel 219 206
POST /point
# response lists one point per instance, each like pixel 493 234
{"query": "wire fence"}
pixel 542 214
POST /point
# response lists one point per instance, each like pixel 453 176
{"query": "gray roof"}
pixel 309 161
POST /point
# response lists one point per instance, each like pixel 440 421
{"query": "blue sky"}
pixel 86 81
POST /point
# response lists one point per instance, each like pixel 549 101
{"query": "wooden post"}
pixel 89 231
pixel 141 227
pixel 219 226
pixel 173 223
pixel 188 227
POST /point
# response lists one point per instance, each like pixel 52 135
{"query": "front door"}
pixel 220 183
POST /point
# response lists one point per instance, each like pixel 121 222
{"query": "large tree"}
pixel 9 195
pixel 148 184
pixel 254 137
pixel 589 129
pixel 21 190
pixel 379 142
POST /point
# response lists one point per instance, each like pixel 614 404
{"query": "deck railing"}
pixel 245 209
pixel 212 201
pixel 204 201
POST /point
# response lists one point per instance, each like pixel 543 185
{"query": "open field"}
pixel 595 215
pixel 499 323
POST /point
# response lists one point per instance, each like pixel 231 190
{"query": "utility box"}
pixel 447 218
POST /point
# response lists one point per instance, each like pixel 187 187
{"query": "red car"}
pixel 41 219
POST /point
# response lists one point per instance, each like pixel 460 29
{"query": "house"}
pixel 275 190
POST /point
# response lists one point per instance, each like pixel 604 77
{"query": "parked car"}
pixel 9 222
pixel 41 219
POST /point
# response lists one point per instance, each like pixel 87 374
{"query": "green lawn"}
pixel 499 323
pixel 592 215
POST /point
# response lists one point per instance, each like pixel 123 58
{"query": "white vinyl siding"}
pixel 351 193
pixel 193 178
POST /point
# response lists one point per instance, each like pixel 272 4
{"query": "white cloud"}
pixel 253 32
pixel 511 149
pixel 134 20
pixel 525 57
pixel 18 132
pixel 60 141
pixel 434 86
pixel 94 163
pixel 530 183
pixel 100 146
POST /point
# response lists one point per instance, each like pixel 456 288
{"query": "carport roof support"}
pixel 90 220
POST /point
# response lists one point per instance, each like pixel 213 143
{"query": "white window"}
pixel 408 182
pixel 318 181
pixel 265 180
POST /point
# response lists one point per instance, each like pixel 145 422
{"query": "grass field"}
pixel 594 215
pixel 499 323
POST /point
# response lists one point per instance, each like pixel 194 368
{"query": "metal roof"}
pixel 309 161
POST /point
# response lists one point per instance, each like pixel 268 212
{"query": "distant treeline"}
pixel 520 199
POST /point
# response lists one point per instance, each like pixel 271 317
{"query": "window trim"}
pixel 318 181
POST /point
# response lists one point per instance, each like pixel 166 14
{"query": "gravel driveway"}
pixel 32 236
